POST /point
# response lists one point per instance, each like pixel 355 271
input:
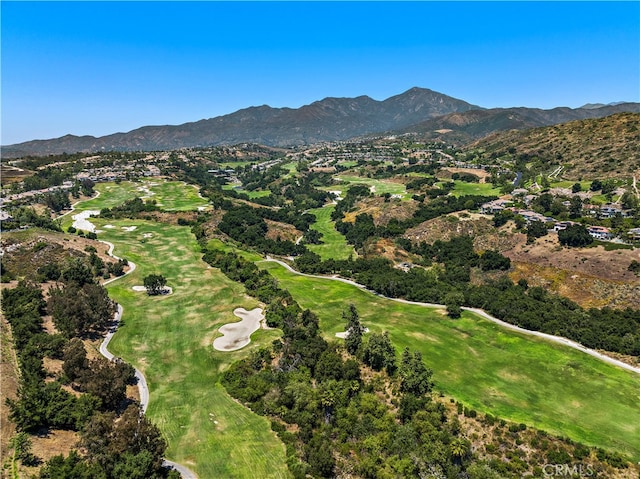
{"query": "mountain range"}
pixel 422 111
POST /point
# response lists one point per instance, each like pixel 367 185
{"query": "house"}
pixel 609 211
pixel 563 225
pixel 600 233
pixel 494 207
pixel 633 234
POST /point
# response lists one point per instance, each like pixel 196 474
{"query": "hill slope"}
pixel 464 127
pixel 589 149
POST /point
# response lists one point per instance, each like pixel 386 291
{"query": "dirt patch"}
pixel 282 231
pixel 386 248
pixel 8 386
pixel 383 211
pixel 586 290
pixel 595 262
pixel 444 228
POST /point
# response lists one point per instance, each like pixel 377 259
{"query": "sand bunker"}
pixel 168 289
pixel 237 335
pixel 109 227
pixel 129 228
pixel 147 235
pixel 81 222
pixel 344 334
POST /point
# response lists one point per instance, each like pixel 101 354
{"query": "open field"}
pixel 380 187
pixel 334 243
pixel 463 188
pixel 169 338
pixel 493 370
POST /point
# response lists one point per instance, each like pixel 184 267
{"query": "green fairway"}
pixel 251 194
pixel 511 375
pixel 379 187
pixel 334 243
pixel 463 188
pixel 169 338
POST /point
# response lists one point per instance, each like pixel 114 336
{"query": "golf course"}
pixel 169 338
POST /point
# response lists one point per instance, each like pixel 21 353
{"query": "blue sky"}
pixel 94 68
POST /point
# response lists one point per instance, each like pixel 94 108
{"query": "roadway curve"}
pixel 142 382
pixel 482 313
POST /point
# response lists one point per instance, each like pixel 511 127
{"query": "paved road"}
pixel 484 314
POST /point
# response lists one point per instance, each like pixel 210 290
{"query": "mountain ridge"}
pixel 329 119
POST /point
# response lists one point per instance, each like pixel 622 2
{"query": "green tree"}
pixel 415 377
pixel 453 302
pixel 575 235
pixel 575 207
pixel 155 284
pixel 354 329
pixel 379 353
pixel 75 359
pixel 536 229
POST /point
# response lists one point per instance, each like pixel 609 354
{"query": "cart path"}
pixel 479 312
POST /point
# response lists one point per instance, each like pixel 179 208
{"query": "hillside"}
pixel 593 148
pixel 460 128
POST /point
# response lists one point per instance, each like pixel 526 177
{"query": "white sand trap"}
pixel 237 335
pixel 81 222
pixel 168 289
pixel 129 228
pixel 109 227
pixel 147 235
pixel 344 334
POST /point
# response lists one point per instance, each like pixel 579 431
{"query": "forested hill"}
pixel 589 149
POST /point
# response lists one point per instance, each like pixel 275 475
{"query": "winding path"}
pixel 479 312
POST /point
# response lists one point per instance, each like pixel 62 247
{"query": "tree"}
pixel 536 229
pixel 629 201
pixel 576 188
pixel 354 329
pixel 21 445
pixel 453 301
pixel 379 353
pixel 415 376
pixel 75 359
pixel 575 235
pixel 575 207
pixel 155 284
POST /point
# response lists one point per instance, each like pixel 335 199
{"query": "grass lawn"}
pixel 334 243
pixel 463 188
pixel 493 370
pixel 381 186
